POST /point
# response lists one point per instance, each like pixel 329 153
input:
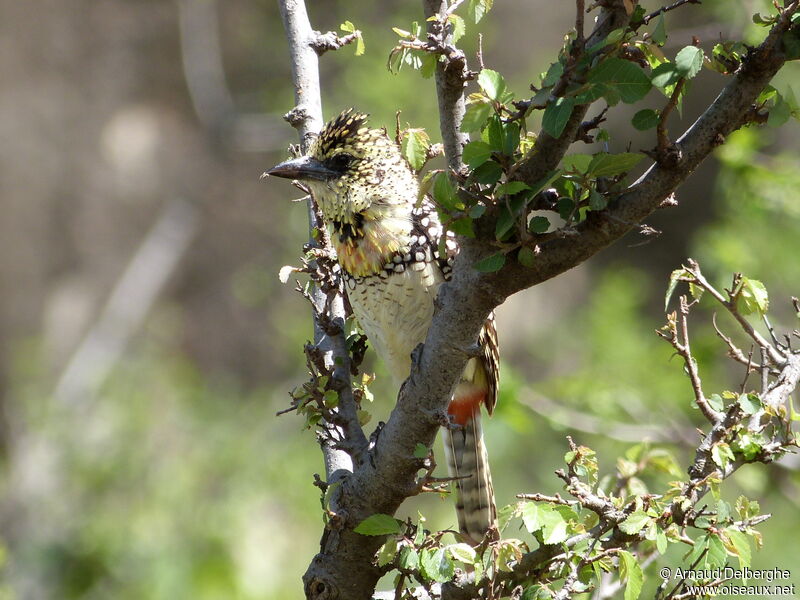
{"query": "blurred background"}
pixel 146 342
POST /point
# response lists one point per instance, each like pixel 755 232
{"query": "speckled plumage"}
pixel 387 243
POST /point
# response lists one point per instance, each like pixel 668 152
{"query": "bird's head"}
pixel 352 170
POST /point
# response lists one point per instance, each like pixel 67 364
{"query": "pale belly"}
pixel 395 313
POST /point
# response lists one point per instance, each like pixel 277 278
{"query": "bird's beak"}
pixel 302 168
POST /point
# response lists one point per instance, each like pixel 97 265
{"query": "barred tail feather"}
pixel 468 461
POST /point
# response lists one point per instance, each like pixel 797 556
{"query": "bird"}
pixel 387 243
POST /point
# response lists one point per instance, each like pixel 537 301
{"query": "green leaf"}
pixel 492 84
pixel 494 133
pixel 554 523
pixel 539 225
pixel 717 556
pixel 462 226
pixel 661 541
pixel 740 546
pixel 664 75
pixel 378 524
pixel 421 451
pixel 753 297
pixel 554 72
pixel 459 26
pixel 436 565
pixel 749 403
pixel 387 552
pixel 780 113
pixel 627 78
pixel 689 61
pixel 477 9
pixel 576 163
pixel 444 192
pixel 556 116
pixel 492 263
pixel 659 35
pixel 716 402
pixel 635 522
pixel 631 572
pixel 608 165
pixel 428 66
pixel 645 119
pixel 488 173
pixel 414 146
pixel 676 276
pixel 463 553
pixel 597 201
pixel 409 559
pixel 476 153
pixel 348 27
pixel 526 257
pixel 475 116
pixel 722 454
pixel 510 138
pixel 510 188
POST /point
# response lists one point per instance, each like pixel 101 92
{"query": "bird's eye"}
pixel 340 162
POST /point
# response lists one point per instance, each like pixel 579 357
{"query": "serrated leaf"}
pixel 347 27
pixel 556 115
pixel 414 146
pixel 388 552
pixel 608 165
pixel 740 546
pixel 459 26
pixel 716 557
pixel 645 119
pixel 554 72
pixel 749 403
pixel 526 257
pixel 463 553
pixel 436 565
pixel 490 264
pixel 462 226
pixel 378 524
pixel 716 402
pixel 664 75
pixel 689 61
pixel 488 173
pixel 631 572
pixel 477 9
pixel 554 524
pixel 531 517
pixel 476 153
pixel 753 297
pixel 492 83
pixel 475 117
pixel 635 522
pixel 510 188
pixel 627 78
pixel 409 558
pixel 721 454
